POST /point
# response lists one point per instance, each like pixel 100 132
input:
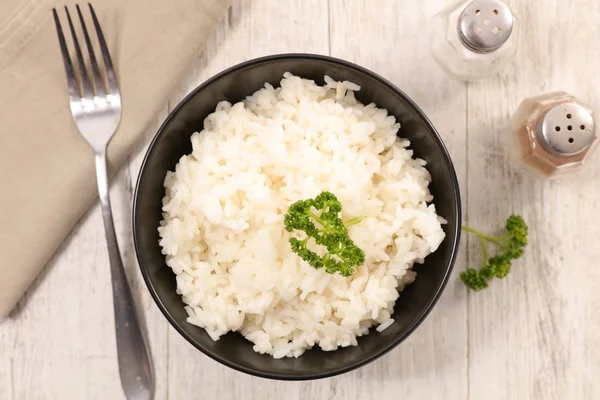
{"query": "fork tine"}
pixel 86 85
pixel 98 81
pixel 71 80
pixel 110 71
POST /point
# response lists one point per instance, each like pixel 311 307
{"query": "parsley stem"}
pixel 353 221
pixel 316 217
pixel 484 249
pixel 501 242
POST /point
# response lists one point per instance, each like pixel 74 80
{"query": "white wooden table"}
pixel 535 335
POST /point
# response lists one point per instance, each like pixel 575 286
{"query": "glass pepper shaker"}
pixel 474 39
pixel 552 135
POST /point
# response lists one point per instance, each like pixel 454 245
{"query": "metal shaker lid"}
pixel 566 129
pixel 485 25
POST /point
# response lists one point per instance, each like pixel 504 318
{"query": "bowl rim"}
pixel 420 317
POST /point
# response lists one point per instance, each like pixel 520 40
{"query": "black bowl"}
pixel 172 142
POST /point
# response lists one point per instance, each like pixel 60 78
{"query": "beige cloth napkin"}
pixel 46 168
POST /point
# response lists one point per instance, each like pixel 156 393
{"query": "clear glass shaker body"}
pixel 474 39
pixel 552 135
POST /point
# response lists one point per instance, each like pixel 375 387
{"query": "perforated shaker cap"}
pixel 566 129
pixel 485 25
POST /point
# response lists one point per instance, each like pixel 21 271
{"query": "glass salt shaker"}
pixel 474 39
pixel 552 135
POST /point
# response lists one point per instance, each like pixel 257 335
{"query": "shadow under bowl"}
pixel 173 141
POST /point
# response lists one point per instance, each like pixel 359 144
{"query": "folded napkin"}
pixel 46 168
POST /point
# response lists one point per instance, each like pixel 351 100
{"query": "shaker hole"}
pixel 570 127
pixel 486 22
pixel 571 140
pixel 477 29
pixel 569 116
pixel 582 127
pixel 477 12
pixel 557 129
pixel 495 30
pixel 495 12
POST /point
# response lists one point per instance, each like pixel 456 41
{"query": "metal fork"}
pixel 95 103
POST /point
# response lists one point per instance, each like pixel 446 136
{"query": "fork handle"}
pixel 135 369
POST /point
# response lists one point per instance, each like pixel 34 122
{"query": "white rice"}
pixel 223 232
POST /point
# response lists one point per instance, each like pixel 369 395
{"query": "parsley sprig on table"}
pixel 330 231
pixel 511 247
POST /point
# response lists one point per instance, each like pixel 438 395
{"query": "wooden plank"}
pixel 534 335
pixel 389 38
pixel 189 371
pixel 157 328
pixel 253 28
pixel 6 378
pixel 68 377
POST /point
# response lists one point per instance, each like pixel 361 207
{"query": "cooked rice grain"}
pixel 223 233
